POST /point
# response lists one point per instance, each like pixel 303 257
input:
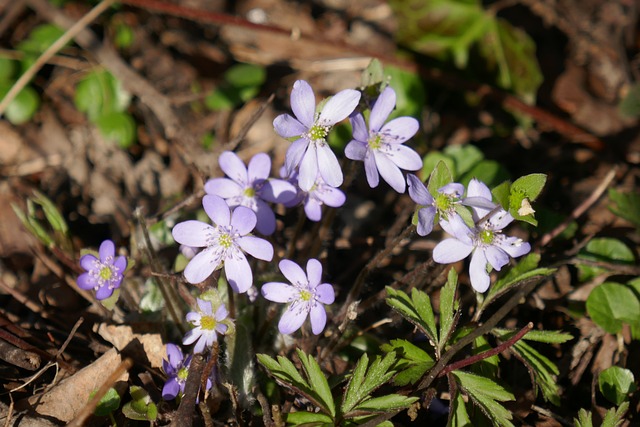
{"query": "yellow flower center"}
pixel 375 142
pixel 105 273
pixel 183 373
pixel 249 192
pixel 305 295
pixel 318 133
pixel 225 240
pixel 208 323
pixel 486 236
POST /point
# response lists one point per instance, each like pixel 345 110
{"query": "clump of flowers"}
pixel 104 273
pixel 380 147
pixel 207 325
pixel 310 152
pixel 224 243
pixel 251 187
pixel 305 296
pixel 491 249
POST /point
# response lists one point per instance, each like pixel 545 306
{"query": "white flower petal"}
pixel 480 279
pixel 384 105
pixel 338 107
pixel 318 318
pixel 202 265
pixel 292 319
pixel 450 250
pixel 390 172
pixel 329 166
pixel 293 272
pixel 314 272
pixel 233 167
pixel 279 292
pixel 238 272
pixel 217 209
pixel 256 247
pixel 303 102
pixel 192 233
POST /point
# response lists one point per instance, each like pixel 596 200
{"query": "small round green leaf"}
pixel 604 249
pixel 245 75
pixel 612 304
pixel 118 127
pixel 7 69
pixel 23 106
pixel 616 384
pixel 109 403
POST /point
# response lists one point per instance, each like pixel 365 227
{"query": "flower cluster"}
pixel 490 248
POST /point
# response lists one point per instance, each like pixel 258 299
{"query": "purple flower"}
pixel 305 296
pixel 224 243
pixel 319 194
pixel 207 325
pixel 310 150
pixel 381 147
pixel 441 208
pixel 251 187
pixel 177 370
pixel 103 275
pixel 486 241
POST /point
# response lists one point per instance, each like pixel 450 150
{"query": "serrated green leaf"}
pixel 361 385
pixel 411 361
pixel 612 304
pixel 386 403
pixel 543 370
pixel 283 369
pixel 109 402
pixel 616 384
pixel 487 367
pixel 603 249
pixel 400 301
pixel 626 205
pixel 309 419
pixel 118 127
pixel 448 307
pixel 465 157
pixel 459 416
pixel 547 337
pixel 615 417
pixel 486 394
pixel 584 419
pixel 318 381
pixel 440 177
pixel 525 269
pixel 422 304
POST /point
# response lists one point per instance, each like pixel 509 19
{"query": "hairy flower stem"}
pixel 168 292
pixel 486 354
pixel 184 414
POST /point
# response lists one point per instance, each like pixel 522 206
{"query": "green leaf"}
pixel 7 70
pixel 626 205
pixel 411 361
pixel 373 75
pixel 616 384
pixel 410 92
pixel 317 381
pixel 223 98
pixel 54 217
pixel 365 380
pixel 244 75
pixel 615 417
pixel 524 270
pixel 431 160
pixel 440 177
pixel 448 307
pixel 501 194
pixel 416 310
pixel 109 402
pixel 31 224
pixel 465 157
pixel 488 171
pixel 486 367
pixel 543 370
pixel 630 105
pixel 612 304
pixel 100 93
pixel 523 192
pixel 124 36
pixel 584 419
pixel 152 299
pixel 284 370
pixel 547 337
pixel 24 105
pixel 486 394
pixel 603 249
pixel 391 402
pixel 141 408
pixel 459 416
pixel 118 127
pixel 309 419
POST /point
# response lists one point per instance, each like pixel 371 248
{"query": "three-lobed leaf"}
pixel 448 307
pixel 487 395
pixel 411 361
pixel 366 379
pixel 611 304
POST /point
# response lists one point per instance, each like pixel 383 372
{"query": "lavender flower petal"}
pixel 355 150
pixel 217 209
pixel 360 132
pixel 318 318
pixel 288 127
pixel 243 220
pixel 202 265
pixel 88 261
pixel 279 292
pixel 238 272
pixel 480 279
pixel 338 107
pixel 292 272
pixel 192 233
pixel 329 167
pixel 86 282
pixel 325 293
pixel 303 102
pixel 292 319
pixel 450 250
pixel 223 187
pixel 400 130
pixel 389 172
pixel 278 191
pixel 259 167
pixel 383 106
